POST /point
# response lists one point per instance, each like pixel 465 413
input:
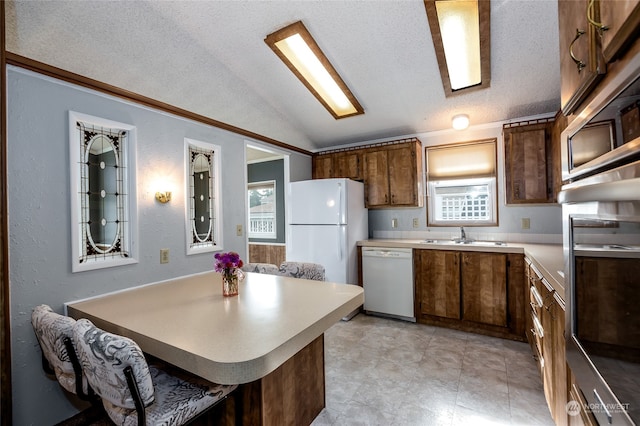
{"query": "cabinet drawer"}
pixel 535 300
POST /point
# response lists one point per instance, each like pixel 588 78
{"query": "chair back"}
pixel 306 270
pixel 55 336
pixel 261 268
pixel 105 357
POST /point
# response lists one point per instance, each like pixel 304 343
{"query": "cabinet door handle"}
pixel 599 26
pixel 579 64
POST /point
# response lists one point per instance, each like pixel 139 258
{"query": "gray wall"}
pixel 271 170
pixel 39 211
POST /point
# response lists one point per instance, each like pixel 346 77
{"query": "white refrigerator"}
pixel 325 219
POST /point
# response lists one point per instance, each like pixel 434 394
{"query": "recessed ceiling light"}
pixel 298 50
pixel 460 121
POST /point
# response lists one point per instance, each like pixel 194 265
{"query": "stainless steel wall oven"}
pixel 601 237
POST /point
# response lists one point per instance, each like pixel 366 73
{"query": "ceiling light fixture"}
pixel 298 50
pixel 460 33
pixel 460 121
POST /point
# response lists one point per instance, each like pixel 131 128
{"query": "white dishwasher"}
pixel 387 279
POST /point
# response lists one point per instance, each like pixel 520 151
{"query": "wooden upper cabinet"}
pixel 437 275
pixel 392 171
pixel 484 283
pixel 405 167
pixel 621 18
pixel 393 175
pixel 346 164
pixel 322 166
pixel 581 62
pixel 376 178
pixel 531 164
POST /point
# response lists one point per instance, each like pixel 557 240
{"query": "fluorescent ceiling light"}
pixel 460 33
pixel 299 51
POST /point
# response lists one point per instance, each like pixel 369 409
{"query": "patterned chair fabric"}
pixel 261 268
pixel 306 270
pixel 51 329
pixel 169 399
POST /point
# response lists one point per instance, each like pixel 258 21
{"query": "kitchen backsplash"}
pixel 484 236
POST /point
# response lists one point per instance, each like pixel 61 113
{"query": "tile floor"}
pixel 381 371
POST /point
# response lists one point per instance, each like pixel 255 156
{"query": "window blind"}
pixel 466 160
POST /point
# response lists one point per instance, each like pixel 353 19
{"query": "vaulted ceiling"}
pixel 209 57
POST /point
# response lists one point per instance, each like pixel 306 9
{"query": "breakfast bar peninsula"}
pixel 269 338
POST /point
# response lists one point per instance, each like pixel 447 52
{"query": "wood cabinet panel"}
pixel 293 394
pixel 267 253
pixel 532 161
pixel 473 291
pixel 403 175
pixel 484 283
pixel 437 283
pixel 376 178
pixel 528 167
pixel 622 20
pixel 322 166
pixel 391 172
pixel 585 416
pixel 581 62
pixel 347 165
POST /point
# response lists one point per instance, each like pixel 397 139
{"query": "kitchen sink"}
pixel 466 242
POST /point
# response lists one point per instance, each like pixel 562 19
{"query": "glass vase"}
pixel 229 285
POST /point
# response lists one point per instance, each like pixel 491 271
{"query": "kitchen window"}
pixel 461 184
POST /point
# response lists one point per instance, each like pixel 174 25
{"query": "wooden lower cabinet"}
pixel 548 344
pixel 580 414
pixel 438 283
pixel 473 291
pixel 484 280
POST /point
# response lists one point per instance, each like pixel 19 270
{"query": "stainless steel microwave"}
pixel 607 131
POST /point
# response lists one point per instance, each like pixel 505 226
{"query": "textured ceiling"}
pixel 209 57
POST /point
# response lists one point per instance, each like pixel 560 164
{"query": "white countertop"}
pixel 229 340
pixel 547 258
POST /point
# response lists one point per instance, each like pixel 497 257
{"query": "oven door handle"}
pixel 621 190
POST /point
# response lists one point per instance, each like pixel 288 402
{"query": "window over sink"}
pixel 461 184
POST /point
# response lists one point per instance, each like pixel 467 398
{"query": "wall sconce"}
pixel 163 197
pixel 460 121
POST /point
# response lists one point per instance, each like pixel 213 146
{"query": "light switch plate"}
pixel 394 223
pixel 239 230
pixel 525 223
pixel 164 255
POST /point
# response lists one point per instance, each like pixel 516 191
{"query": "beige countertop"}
pixel 229 340
pixel 548 259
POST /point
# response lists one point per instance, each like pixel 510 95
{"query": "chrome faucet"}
pixel 463 236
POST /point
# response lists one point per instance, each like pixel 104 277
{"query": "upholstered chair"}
pixel 134 393
pixel 55 336
pixel 306 270
pixel 261 268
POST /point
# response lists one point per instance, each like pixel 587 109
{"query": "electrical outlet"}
pixel 525 223
pixel 394 223
pixel 239 230
pixel 416 222
pixel 164 255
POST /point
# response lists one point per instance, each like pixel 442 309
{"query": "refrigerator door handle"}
pixel 341 242
pixel 340 206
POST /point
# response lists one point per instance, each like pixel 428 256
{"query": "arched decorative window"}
pixel 103 192
pixel 203 219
